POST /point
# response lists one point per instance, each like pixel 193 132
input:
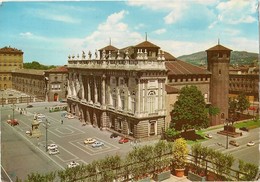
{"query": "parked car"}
pixel 13 122
pixel 29 106
pixel 208 135
pixel 251 143
pixel 97 144
pixel 40 116
pixel 28 132
pixel 52 146
pixel 113 135
pixel 244 129
pixel 89 140
pixel 123 140
pixel 234 143
pixel 54 151
pixel 69 116
pixel 73 164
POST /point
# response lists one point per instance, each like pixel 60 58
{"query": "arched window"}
pixel 151 102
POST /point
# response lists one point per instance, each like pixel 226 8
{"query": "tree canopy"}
pixel 242 102
pixel 190 112
pixel 36 65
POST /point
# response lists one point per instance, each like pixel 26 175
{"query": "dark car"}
pixel 123 140
pixel 244 129
pixel 29 106
pixel 113 135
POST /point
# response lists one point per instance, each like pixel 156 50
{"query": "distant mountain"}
pixel 237 57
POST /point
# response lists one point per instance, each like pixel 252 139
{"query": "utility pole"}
pixel 13 111
pixel 227 124
pixel 46 127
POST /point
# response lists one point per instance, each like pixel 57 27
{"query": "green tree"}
pixel 232 102
pixel 242 102
pixel 190 112
pixel 36 65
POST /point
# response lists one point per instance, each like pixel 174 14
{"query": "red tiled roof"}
pixel 146 44
pixel 10 50
pixel 218 48
pixel 179 67
pixel 170 89
pixel 58 69
pixel 169 57
pixel 109 48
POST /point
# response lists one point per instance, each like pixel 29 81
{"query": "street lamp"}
pixel 46 135
pixel 13 111
pixel 227 130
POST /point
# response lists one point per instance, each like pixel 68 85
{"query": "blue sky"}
pixel 49 31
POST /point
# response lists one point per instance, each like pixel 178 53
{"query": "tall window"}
pixel 114 98
pixel 151 102
pixel 133 102
pixel 122 97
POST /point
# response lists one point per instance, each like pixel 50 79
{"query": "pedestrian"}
pixel 61 121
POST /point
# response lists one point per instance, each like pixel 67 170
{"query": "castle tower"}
pixel 218 59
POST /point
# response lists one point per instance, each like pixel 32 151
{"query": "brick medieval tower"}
pixel 218 59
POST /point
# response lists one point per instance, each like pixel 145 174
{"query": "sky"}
pixel 50 31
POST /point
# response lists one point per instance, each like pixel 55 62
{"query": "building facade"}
pixel 56 84
pixel 30 82
pixel 244 79
pixel 122 90
pixel 10 59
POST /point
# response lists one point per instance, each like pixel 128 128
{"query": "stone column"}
pixel 89 94
pixel 159 94
pixel 103 90
pixel 145 83
pixel 82 87
pixel 95 91
pixel 138 97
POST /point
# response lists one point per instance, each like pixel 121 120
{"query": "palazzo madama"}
pixel 120 89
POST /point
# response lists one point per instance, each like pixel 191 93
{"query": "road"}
pixel 243 152
pixel 22 154
pixel 30 153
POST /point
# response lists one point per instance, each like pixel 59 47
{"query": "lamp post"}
pixel 46 135
pixel 227 127
pixel 13 111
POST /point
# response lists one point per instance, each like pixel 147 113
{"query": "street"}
pixel 22 154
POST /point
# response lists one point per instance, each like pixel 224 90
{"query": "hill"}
pixel 237 57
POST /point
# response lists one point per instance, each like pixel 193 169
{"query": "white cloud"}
pixel 140 25
pixel 237 11
pixel 160 31
pixel 26 34
pixel 115 28
pixel 54 15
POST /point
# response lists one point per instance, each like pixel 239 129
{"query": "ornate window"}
pixel 151 102
pixel 133 102
pixel 122 97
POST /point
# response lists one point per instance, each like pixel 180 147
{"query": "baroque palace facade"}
pixel 10 59
pixel 122 90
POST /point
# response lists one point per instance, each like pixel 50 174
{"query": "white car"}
pixel 73 164
pixel 97 144
pixel 40 116
pixel 54 151
pixel 52 146
pixel 89 141
pixel 208 135
pixel 251 143
pixel 69 116
pixel 28 132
